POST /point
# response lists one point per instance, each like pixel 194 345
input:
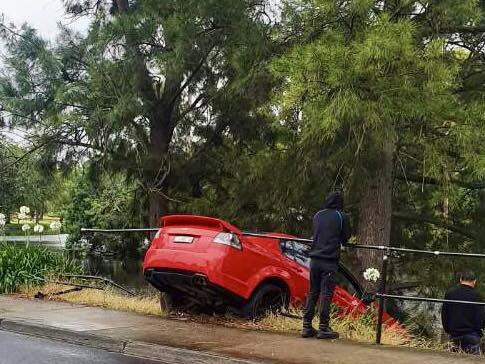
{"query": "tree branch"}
pixel 25 155
pixel 19 35
pixel 191 77
pixel 476 185
pixel 462 230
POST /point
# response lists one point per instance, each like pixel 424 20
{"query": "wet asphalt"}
pixel 23 349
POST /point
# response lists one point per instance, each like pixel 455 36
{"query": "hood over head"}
pixel 334 201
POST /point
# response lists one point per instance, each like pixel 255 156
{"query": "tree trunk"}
pixel 155 175
pixel 162 112
pixel 157 163
pixel 157 207
pixel 375 208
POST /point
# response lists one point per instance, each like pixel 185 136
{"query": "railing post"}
pixel 382 299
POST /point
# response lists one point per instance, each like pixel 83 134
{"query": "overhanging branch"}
pixel 419 218
pixel 475 29
pixel 23 156
pixel 192 75
pixel 475 185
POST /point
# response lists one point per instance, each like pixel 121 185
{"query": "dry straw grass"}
pixel 109 299
pixel 360 329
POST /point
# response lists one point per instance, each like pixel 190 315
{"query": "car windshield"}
pixel 299 253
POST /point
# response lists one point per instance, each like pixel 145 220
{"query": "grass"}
pixel 15 226
pixel 23 265
pixel 46 220
pixel 357 329
pixel 360 329
pixel 108 299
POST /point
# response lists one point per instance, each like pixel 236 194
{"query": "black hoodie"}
pixel 462 319
pixel 331 228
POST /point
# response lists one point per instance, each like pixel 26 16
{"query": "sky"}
pixel 43 15
pixel 40 14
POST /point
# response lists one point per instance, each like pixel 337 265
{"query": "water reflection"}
pixel 127 271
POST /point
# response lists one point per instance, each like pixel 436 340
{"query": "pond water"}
pixel 126 271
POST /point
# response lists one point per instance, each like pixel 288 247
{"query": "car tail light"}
pixel 228 239
pixel 155 242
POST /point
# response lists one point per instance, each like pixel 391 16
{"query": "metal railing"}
pixel 94 230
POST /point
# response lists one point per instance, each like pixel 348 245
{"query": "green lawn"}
pixel 15 227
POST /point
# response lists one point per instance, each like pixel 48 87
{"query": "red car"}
pixel 207 262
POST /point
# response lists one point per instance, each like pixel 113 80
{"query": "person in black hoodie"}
pixel 463 322
pixel 331 228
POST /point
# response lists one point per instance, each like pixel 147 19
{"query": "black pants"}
pixel 322 285
pixel 467 343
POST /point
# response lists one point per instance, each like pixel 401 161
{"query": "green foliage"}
pixel 108 202
pixel 103 201
pixel 77 205
pixel 21 265
pixel 114 204
pixel 26 179
pixel 376 84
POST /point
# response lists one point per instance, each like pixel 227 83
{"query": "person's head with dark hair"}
pixel 468 278
pixel 334 201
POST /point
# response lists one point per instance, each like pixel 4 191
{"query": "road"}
pixel 22 349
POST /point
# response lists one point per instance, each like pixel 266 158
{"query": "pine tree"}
pixel 378 80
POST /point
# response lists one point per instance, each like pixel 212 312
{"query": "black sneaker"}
pixel 327 333
pixel 308 332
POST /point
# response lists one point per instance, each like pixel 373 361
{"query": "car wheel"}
pixel 268 298
pixel 171 301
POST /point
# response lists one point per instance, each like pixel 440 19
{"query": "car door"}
pixel 347 295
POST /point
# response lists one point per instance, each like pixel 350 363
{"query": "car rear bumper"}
pixel 195 286
pixel 209 264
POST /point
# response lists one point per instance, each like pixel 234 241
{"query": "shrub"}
pixel 23 265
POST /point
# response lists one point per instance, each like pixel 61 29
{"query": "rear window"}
pixel 296 251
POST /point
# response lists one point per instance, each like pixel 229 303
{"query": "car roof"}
pixel 269 234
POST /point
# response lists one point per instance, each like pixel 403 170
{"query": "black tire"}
pixel 268 298
pixel 171 301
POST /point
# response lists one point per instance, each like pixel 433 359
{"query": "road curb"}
pixel 73 337
pixel 167 354
pixel 171 355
